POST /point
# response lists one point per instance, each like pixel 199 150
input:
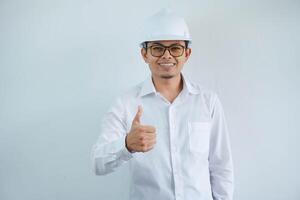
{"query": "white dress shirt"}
pixel 191 159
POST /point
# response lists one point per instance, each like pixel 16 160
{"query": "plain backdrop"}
pixel 63 62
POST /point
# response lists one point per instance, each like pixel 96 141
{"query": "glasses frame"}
pixel 166 48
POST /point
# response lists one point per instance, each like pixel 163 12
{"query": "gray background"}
pixel 62 62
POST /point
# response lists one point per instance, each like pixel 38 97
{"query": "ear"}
pixel 188 52
pixel 144 54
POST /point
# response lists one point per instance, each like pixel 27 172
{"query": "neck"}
pixel 169 88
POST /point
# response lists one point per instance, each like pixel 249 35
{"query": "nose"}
pixel 167 54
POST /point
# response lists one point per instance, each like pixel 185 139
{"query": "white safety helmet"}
pixel 165 25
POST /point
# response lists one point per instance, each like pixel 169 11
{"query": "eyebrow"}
pixel 156 43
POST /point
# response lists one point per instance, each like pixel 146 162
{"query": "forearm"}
pixel 222 180
pixel 220 158
pixel 109 156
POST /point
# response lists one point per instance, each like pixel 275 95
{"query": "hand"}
pixel 141 138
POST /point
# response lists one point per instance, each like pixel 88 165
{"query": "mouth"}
pixel 166 65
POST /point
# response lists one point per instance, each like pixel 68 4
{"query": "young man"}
pixel 172 132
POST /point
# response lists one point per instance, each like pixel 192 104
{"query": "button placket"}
pixel 174 152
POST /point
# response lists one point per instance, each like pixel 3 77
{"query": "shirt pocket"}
pixel 199 134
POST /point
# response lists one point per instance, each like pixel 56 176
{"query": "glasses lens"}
pixel 157 50
pixel 176 50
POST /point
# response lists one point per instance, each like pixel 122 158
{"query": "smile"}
pixel 166 64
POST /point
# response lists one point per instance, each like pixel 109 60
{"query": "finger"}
pixel 137 118
pixel 144 148
pixel 147 138
pixel 147 147
pixel 152 141
pixel 147 129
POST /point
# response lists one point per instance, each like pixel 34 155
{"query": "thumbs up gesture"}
pixel 141 138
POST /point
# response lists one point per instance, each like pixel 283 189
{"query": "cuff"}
pixel 124 154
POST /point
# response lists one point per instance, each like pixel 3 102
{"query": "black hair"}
pixel 145 44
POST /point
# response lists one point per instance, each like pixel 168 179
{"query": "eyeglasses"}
pixel 158 50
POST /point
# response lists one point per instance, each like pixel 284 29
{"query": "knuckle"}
pixel 142 138
pixel 143 144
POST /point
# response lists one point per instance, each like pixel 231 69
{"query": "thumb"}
pixel 137 118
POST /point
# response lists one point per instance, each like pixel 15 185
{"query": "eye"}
pixel 176 48
pixel 157 48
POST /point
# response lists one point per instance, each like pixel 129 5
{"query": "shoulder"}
pixel 201 91
pixel 203 94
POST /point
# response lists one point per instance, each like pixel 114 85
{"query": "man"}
pixel 171 131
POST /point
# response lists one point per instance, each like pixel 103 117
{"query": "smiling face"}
pixel 165 66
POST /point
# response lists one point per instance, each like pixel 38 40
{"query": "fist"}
pixel 141 138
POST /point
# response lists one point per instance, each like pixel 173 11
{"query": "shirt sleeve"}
pixel 110 150
pixel 220 159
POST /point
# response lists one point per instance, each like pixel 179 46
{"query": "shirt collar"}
pixel 148 87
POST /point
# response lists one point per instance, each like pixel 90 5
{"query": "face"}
pixel 165 66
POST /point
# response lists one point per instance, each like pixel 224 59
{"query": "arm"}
pixel 110 150
pixel 220 159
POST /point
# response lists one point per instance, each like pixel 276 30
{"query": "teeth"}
pixel 166 64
